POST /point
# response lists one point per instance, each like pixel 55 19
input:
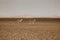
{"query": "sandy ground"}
pixel 12 30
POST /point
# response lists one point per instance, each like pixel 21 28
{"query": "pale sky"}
pixel 43 8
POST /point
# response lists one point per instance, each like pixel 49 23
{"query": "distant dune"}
pixel 25 16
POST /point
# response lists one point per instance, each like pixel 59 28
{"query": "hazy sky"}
pixel 30 8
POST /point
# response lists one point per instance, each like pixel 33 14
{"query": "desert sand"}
pixel 28 29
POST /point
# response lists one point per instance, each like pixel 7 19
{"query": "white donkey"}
pixel 32 22
pixel 20 20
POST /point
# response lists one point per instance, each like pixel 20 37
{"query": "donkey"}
pixel 20 20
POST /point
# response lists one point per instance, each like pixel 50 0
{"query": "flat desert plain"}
pixel 30 30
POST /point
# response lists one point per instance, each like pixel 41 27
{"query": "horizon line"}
pixel 29 17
